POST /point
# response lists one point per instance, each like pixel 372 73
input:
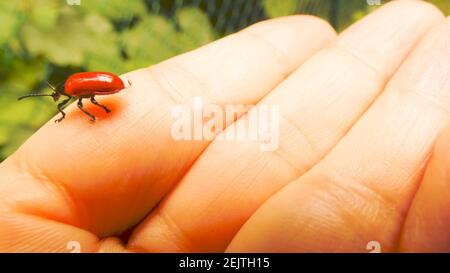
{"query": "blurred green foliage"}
pixel 47 40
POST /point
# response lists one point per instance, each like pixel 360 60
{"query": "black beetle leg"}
pixel 61 107
pixel 98 104
pixel 80 105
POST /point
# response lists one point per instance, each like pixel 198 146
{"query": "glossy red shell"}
pixel 87 84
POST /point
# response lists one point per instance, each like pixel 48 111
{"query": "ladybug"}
pixel 82 86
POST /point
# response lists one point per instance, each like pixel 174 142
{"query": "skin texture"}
pixel 352 71
pixel 362 190
pixel 128 160
pixel 357 159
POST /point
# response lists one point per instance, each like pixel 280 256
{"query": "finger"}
pixel 361 191
pixel 427 225
pixel 35 234
pixel 21 230
pixel 318 103
pixel 104 177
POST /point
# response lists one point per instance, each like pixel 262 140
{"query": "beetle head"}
pixel 55 95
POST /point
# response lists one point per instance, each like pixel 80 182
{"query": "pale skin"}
pixel 363 155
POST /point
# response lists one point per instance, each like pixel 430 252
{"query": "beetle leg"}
pixel 98 104
pixel 80 105
pixel 61 107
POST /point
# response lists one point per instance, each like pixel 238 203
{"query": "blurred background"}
pixel 47 40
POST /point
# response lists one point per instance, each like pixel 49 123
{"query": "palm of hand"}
pixel 359 120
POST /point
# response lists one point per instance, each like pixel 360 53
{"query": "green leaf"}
pixel 196 29
pixel 358 15
pixel 4 134
pixel 6 59
pixel 16 84
pixel 151 40
pixel 19 119
pixel 16 136
pixel 63 46
pixel 103 62
pixel 31 73
pixel 28 111
pixel 443 5
pixel 115 9
pixel 44 14
pixel 276 8
pixel 155 38
pixel 74 41
pixel 10 22
pixel 105 55
pixel 350 10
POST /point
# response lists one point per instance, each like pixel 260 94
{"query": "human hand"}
pixel 355 136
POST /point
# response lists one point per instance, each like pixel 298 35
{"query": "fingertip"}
pixel 416 6
pixel 386 36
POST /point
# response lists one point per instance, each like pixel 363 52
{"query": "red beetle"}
pixel 84 85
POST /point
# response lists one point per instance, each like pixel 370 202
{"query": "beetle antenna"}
pixel 34 95
pixel 50 86
pixel 58 88
pixel 55 95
